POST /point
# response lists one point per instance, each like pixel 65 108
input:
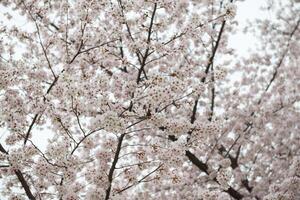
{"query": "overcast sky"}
pixel 247 10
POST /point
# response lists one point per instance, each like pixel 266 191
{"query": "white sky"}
pixel 247 10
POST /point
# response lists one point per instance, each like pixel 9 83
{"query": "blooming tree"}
pixel 144 99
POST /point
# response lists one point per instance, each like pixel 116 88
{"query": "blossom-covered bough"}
pixel 145 100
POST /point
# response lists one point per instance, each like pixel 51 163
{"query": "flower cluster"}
pixel 223 178
pixel 230 11
pixel 125 100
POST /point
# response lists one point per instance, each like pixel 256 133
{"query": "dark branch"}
pixel 203 167
pixel 24 185
pixel 143 63
pixel 30 128
pixel 141 180
pixel 20 178
pixel 211 59
pixel 113 166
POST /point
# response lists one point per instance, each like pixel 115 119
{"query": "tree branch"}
pixel 148 42
pixel 141 180
pixel 20 178
pixel 211 59
pixel 203 167
pixel 113 166
pixel 24 185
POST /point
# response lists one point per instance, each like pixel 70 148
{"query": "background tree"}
pixel 145 100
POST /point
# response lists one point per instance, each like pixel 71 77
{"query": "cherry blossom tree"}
pixel 145 99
